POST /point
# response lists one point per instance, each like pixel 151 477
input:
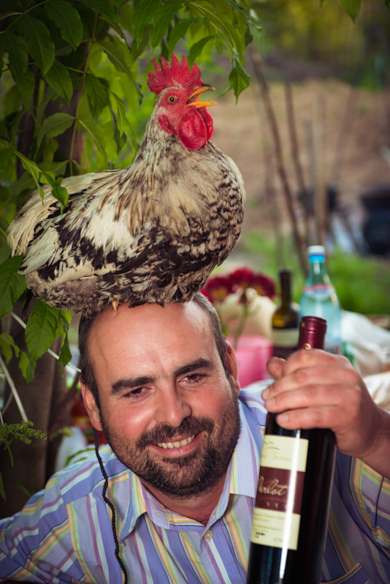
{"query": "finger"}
pixel 315 358
pixel 313 388
pixel 314 376
pixel 310 396
pixel 307 418
pixel 275 367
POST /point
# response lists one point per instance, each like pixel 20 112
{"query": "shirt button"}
pixel 208 534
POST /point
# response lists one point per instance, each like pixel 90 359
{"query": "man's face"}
pixel 166 406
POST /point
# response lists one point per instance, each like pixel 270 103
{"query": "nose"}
pixel 173 406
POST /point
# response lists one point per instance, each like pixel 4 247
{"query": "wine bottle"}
pixel 293 496
pixel 319 298
pixel 285 319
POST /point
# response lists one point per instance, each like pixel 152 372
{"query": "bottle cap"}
pixel 316 250
pixel 312 331
pixel 314 323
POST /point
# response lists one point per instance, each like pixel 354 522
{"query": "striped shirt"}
pixel 63 535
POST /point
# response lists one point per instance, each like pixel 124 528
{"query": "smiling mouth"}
pixel 176 444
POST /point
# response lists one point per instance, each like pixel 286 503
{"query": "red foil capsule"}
pixel 312 331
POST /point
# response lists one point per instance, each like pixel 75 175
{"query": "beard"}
pixel 189 475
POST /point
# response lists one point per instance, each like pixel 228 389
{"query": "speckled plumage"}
pixel 151 232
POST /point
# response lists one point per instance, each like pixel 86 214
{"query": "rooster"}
pixel 151 232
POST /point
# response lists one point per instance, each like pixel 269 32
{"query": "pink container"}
pixel 253 352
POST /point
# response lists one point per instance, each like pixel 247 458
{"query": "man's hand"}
pixel 315 389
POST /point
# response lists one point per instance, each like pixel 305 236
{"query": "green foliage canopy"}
pixel 72 80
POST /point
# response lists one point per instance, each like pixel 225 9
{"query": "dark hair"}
pixel 85 326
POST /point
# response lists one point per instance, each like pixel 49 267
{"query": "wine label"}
pixel 284 342
pixel 276 517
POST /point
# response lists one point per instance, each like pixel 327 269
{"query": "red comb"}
pixel 175 74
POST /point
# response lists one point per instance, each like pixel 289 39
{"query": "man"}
pixel 162 384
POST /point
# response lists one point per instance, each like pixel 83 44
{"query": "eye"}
pixel 137 393
pixel 193 378
pixel 172 98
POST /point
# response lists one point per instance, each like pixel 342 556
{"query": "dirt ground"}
pixel 346 147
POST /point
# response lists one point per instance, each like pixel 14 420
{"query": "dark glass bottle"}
pixel 285 319
pixel 292 505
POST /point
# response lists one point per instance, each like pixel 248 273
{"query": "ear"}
pixel 231 363
pixel 91 407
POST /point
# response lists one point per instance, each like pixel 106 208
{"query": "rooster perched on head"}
pixel 151 232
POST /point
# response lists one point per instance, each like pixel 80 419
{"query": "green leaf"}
pixel 38 40
pixel 54 125
pixel 17 53
pixel 58 192
pixel 27 366
pixel 26 85
pixel 116 54
pixel 12 284
pixel 5 155
pixel 119 137
pixel 96 93
pixel 7 344
pixel 180 31
pixel 93 131
pixel 238 78
pixel 351 7
pixel 103 6
pixel 2 491
pixel 197 49
pixel 49 149
pixel 5 250
pixel 28 492
pixel 65 353
pixel 41 328
pixel 59 79
pixel 25 182
pixel 121 120
pixel 32 168
pixel 142 17
pixel 161 19
pixel 387 2
pixel 67 19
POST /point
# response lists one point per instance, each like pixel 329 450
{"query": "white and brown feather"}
pixel 151 232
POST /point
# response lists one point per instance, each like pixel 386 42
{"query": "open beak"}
pixel 194 97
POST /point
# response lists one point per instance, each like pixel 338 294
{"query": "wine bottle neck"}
pixel 312 332
pixel 285 288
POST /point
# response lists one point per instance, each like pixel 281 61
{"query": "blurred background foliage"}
pixel 356 51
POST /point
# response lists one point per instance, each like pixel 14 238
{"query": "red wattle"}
pixel 165 125
pixel 208 121
pixel 193 129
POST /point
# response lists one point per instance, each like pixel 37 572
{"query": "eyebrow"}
pixel 131 383
pixel 198 364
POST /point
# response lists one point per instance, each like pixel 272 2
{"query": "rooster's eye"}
pixel 172 98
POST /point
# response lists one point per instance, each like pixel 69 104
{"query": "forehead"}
pixel 149 330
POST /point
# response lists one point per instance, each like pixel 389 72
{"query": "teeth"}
pixel 176 444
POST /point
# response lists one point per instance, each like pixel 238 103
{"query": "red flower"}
pixel 217 288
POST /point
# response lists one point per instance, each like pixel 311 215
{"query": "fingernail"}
pixel 282 419
pixel 265 394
